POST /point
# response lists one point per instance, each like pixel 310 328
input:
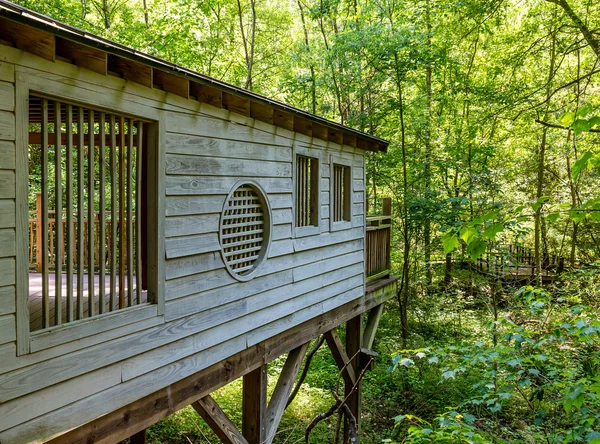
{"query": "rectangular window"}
pixel 307 191
pixel 87 201
pixel 342 193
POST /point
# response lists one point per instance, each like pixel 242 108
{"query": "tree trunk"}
pixel 587 33
pixel 427 169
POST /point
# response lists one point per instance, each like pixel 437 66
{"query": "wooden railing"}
pixel 516 259
pixel 378 243
pixel 35 237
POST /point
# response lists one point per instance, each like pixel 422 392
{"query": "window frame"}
pixel 312 153
pixel 346 223
pixel 30 82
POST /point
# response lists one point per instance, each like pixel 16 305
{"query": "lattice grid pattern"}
pixel 243 230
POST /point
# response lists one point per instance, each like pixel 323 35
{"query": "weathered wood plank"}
pixel 200 185
pixel 211 147
pixel 23 409
pixel 7 125
pixel 7 155
pixel 254 405
pixel 7 96
pixel 354 337
pixel 198 283
pixel 191 245
pixel 7 72
pixel 7 300
pixel 334 263
pixel 190 205
pixel 187 266
pixel 8 329
pixel 189 384
pixel 7 242
pixel 283 388
pixel 28 39
pixel 307 243
pixel 180 164
pixel 189 225
pixel 84 56
pixel 7 271
pixel 218 421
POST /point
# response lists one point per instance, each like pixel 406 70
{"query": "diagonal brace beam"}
pixel 372 325
pixel 284 387
pixel 341 358
pixel 218 421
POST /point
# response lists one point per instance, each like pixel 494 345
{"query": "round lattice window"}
pixel 245 230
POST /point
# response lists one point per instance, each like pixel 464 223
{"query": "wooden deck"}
pixel 35 297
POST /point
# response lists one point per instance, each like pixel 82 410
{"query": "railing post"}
pixel 386 204
pixel 38 232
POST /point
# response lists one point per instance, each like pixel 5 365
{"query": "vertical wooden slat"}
pixel 130 213
pixel 80 211
pixel 138 212
pixel 91 214
pixel 69 228
pixel 121 214
pixel 113 213
pixel 58 215
pixel 102 227
pixel 44 227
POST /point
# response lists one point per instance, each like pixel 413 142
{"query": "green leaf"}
pixel 584 110
pixel 595 121
pixel 581 164
pixel 567 118
pixel 553 217
pixel 492 230
pixel 538 203
pixel 468 234
pixel 476 248
pixel 449 242
pixel 581 125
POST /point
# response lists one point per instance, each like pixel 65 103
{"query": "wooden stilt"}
pixel 353 346
pixel 341 357
pixel 138 438
pixel 254 402
pixel 371 327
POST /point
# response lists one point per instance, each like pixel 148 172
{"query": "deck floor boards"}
pixel 35 297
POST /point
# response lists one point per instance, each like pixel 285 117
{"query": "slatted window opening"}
pixel 86 202
pixel 342 193
pixel 307 191
pixel 244 230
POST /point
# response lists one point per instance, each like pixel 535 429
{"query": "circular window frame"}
pixel 267 230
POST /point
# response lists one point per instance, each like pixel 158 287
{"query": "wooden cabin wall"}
pixel 208 316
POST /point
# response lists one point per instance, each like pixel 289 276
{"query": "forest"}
pixel 492 108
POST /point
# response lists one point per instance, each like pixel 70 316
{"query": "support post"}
pixel 38 232
pixel 353 346
pixel 138 438
pixel 218 421
pixel 254 405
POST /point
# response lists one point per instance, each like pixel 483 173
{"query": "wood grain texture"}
pixel 7 72
pixel 218 421
pixel 7 155
pixel 7 271
pixel 7 125
pixel 8 330
pixel 200 185
pixel 7 300
pixel 254 405
pixel 7 96
pixel 180 164
pixel 7 242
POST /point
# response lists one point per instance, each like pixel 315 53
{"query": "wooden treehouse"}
pixel 163 234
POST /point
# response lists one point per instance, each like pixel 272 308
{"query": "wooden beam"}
pixel 83 56
pixel 138 438
pixel 254 405
pixel 218 421
pixel 284 120
pixel 124 422
pixel 341 358
pixel 261 112
pixel 320 132
pixel 130 70
pixel 171 83
pixel 28 39
pixel 236 104
pixel 282 391
pixel 350 140
pixel 206 94
pixel 303 126
pixel 353 347
pixel 335 136
pixel 371 327
pixel 361 143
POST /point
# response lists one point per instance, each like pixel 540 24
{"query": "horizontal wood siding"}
pixel 208 315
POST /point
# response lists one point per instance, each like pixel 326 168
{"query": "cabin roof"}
pixel 43 36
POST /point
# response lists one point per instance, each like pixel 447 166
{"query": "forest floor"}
pixel 533 375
